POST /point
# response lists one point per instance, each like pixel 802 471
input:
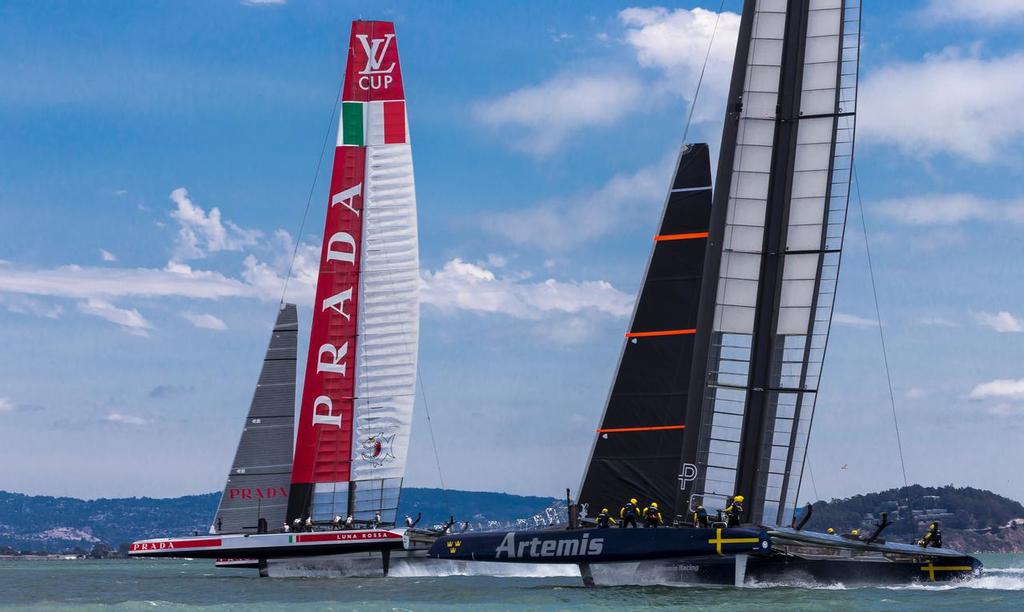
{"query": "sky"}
pixel 157 159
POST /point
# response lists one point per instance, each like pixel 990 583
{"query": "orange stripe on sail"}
pixel 658 428
pixel 691 236
pixel 668 332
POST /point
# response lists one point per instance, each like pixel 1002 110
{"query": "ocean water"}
pixel 187 585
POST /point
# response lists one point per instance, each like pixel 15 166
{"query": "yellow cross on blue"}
pixel 931 568
pixel 718 540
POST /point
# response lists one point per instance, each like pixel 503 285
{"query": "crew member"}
pixel 309 523
pixel 376 519
pixel 349 522
pixel 219 525
pixel 652 516
pixel 287 529
pixel 734 513
pixel 605 520
pixel 336 523
pixel 629 513
pixel 853 535
pixel 700 517
pixel 933 537
pixel 297 524
pixel 830 531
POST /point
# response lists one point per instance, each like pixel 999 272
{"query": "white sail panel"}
pixel 388 331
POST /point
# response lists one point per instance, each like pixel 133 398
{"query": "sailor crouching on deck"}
pixel 700 517
pixel 734 513
pixel 604 520
pixel 652 516
pixel 933 538
pixel 629 513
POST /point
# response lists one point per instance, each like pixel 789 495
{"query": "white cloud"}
pixel 676 43
pixel 1002 321
pixel 987 12
pixel 841 318
pixel 466 286
pixel 205 321
pixel 125 419
pixel 106 255
pixel 74 281
pixel 7 405
pixel 564 223
pixel 29 306
pixel 951 209
pixel 916 393
pixel 1001 389
pixel 131 319
pixel 200 232
pixel 963 105
pixel 935 321
pixel 542 116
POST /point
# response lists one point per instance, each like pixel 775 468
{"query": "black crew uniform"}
pixel 628 514
pixel 604 520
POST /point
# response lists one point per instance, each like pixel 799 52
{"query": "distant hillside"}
pixel 55 524
pixel 971 519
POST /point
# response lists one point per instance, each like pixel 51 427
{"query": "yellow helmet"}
pixel 632 501
pixel 855 532
pixel 738 498
pixel 830 530
pixel 654 505
pixel 604 509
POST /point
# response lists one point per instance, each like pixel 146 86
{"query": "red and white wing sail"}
pixel 357 401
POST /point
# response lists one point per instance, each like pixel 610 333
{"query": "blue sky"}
pixel 133 317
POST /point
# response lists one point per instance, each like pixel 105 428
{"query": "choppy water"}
pixel 149 584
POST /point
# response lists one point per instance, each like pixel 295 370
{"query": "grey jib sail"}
pixel 638 446
pixel 257 485
pixel 776 233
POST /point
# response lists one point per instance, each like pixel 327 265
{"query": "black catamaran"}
pixel 716 386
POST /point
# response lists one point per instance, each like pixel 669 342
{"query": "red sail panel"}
pixel 323 445
pixel 323 448
pixel 373 71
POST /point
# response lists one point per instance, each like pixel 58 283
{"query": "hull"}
pixel 270 545
pixel 778 570
pixel 599 545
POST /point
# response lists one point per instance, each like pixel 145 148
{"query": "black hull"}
pixel 783 571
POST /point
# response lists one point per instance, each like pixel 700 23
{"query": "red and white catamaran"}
pixel 357 398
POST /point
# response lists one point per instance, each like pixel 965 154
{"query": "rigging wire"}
pixel 881 329
pixel 433 438
pixel 700 79
pixel 312 187
pixel 810 472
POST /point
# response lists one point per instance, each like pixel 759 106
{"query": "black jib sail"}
pixel 638 446
pixel 257 485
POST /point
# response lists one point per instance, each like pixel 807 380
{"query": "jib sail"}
pixel 639 444
pixel 357 399
pixel 257 485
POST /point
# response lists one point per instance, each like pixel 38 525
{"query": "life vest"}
pixel 652 514
pixel 629 510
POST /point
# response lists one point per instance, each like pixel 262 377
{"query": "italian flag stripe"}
pixel 352 124
pixel 373 123
pixel 394 122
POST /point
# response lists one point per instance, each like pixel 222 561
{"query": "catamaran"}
pixel 716 386
pixel 281 507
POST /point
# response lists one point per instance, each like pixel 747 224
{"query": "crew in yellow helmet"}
pixel 734 513
pixel 652 516
pixel 629 513
pixel 830 531
pixel 605 520
pixel 700 517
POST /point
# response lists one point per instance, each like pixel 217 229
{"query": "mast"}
pixel 773 257
pixel 257 485
pixel 357 400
